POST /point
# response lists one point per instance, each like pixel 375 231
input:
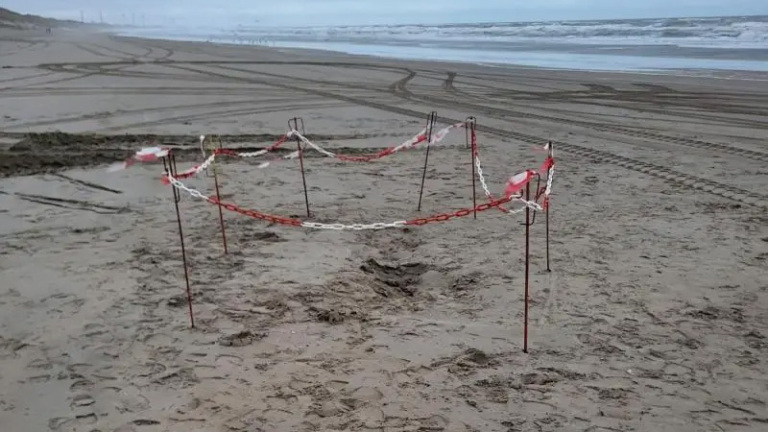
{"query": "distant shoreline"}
pixel 650 45
pixel 654 59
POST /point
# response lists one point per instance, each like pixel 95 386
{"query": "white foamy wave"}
pixel 650 44
pixel 742 32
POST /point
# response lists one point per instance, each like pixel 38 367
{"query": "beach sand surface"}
pixel 653 318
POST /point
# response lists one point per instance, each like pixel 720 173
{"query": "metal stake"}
pixel 547 222
pixel 170 168
pixel 430 124
pixel 471 126
pixel 549 207
pixel 218 201
pixel 527 260
pixel 295 127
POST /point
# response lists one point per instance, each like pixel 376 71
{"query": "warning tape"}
pixel 295 222
pixel 512 193
pixel 413 142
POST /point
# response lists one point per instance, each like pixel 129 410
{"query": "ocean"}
pixel 648 45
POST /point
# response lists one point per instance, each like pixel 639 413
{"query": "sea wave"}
pixel 648 44
pixel 720 32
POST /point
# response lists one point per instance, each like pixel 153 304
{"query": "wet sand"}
pixel 654 318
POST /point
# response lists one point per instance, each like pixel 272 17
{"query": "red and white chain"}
pixel 181 186
pixel 551 173
pixel 313 225
pixel 210 160
pixel 443 217
pixel 550 176
pixel 413 142
pixel 533 205
pixel 354 227
pixel 493 203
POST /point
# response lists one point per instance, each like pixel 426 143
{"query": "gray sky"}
pixel 388 11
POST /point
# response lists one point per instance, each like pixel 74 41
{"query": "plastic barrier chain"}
pixel 353 227
pixel 411 143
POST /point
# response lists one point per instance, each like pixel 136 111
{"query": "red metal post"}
pixel 170 168
pixel 547 223
pixel 430 124
pixel 549 207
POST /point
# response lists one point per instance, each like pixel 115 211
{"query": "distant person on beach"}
pixel 48 30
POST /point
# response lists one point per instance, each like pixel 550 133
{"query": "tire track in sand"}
pixel 686 180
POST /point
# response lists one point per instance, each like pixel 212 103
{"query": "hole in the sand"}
pixel 240 339
pixel 534 378
pixel 336 316
pixel 467 362
pixel 182 378
pixel 177 301
pixel 267 237
pixel 403 277
pixel 466 283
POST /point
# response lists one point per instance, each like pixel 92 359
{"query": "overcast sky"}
pixel 382 11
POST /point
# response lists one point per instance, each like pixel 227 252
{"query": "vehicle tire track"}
pixel 92 51
pixel 31 46
pixel 399 88
pixel 216 114
pixel 157 110
pixel 71 204
pixel 449 86
pixel 686 180
pixel 86 183
pixel 704 145
pixel 151 47
pixel 22 78
pixel 95 91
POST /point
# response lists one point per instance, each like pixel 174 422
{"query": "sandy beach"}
pixel 654 317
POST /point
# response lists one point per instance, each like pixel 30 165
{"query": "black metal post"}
pixel 470 125
pixel 430 124
pixel 295 127
pixel 170 169
pixel 527 261
pixel 218 200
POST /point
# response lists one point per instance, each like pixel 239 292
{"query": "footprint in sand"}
pixel 228 361
pixel 125 400
pixel 81 421
pixel 81 384
pixel 150 369
pixel 81 400
pixel 178 379
pixel 282 401
pixel 92 330
pixel 362 396
pixel 39 363
pixel 39 379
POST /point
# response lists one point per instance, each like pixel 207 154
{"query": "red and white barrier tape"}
pixel 153 154
pixel 515 184
pixel 411 143
pixel 148 154
pixel 350 227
